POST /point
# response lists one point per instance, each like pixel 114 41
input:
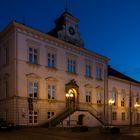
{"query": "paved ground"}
pixel 61 134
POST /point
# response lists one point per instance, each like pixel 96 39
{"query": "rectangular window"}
pixel 1 58
pixel 50 114
pixel 138 116
pixel 33 56
pixel 33 117
pixel 88 70
pixel 114 116
pixel 98 73
pixel 6 88
pixel 51 60
pixel 114 97
pixel 33 89
pixel 123 116
pixel 88 97
pixel 71 66
pixel 0 89
pixel 98 96
pixel 51 92
pixel 122 99
pixel 6 56
pixel 137 98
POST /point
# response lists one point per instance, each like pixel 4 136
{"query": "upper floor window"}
pixel 6 56
pixel 51 60
pixel 98 72
pixel 71 66
pixel 114 97
pixel 33 55
pixel 123 98
pixel 99 97
pixel 137 98
pixel 6 88
pixel 33 89
pixel 88 97
pixel 51 91
pixel 88 70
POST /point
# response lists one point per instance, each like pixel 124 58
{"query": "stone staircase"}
pixel 82 107
pixel 92 111
pixel 59 118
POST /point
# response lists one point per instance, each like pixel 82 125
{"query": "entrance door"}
pixel 80 119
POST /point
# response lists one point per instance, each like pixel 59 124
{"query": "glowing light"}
pixel 111 101
pixel 136 105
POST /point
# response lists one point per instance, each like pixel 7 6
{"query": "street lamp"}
pixel 136 106
pixel 110 103
pixel 69 96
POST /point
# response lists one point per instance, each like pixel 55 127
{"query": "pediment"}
pixel 33 75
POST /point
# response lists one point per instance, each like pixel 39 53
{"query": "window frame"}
pixel 33 54
pixel 33 88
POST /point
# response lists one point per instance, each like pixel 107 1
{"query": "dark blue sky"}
pixel 108 27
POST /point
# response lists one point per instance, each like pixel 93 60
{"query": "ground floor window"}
pixel 123 116
pixel 114 116
pixel 138 116
pixel 33 117
pixel 50 114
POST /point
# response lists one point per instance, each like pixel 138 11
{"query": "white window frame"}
pixel 34 89
pixel 88 70
pixel 51 91
pixel 88 96
pixel 51 60
pixel 71 65
pixel 123 116
pixel 33 55
pixel 50 114
pixel 33 117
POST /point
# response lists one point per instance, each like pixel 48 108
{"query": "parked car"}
pixel 4 125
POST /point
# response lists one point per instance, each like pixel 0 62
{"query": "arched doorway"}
pixel 72 95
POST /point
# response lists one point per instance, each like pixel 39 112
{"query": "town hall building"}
pixel 51 79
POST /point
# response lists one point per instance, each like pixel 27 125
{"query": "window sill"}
pixel 51 100
pixel 88 77
pixel 51 68
pixel 99 79
pixel 72 73
pixel 99 104
pixel 33 64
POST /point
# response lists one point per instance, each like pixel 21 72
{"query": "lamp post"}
pixel 69 96
pixel 136 107
pixel 110 103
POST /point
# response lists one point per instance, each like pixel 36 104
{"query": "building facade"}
pixel 52 79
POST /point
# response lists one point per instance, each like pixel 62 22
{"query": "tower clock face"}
pixel 71 30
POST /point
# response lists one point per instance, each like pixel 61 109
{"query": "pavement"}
pixel 38 133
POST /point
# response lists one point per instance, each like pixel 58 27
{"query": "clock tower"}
pixel 66 28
